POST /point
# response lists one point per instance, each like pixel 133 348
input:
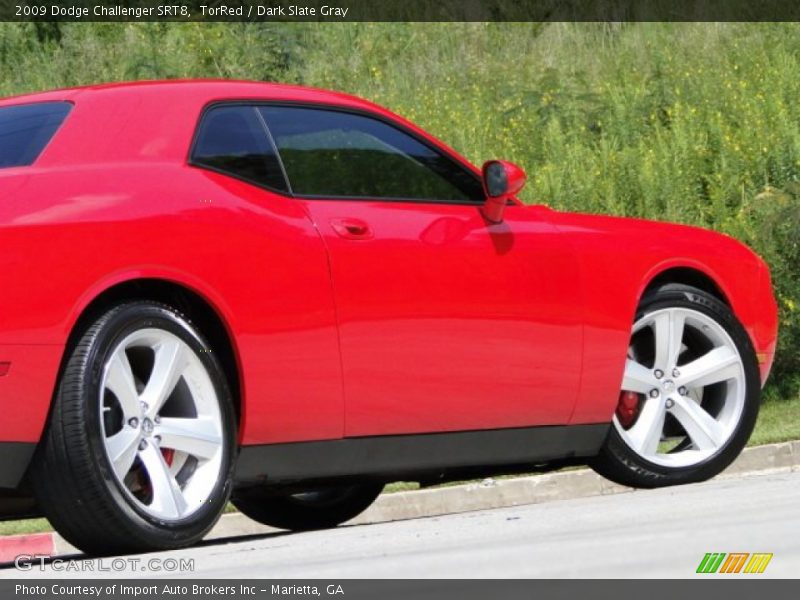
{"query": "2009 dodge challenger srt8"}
pixel 289 297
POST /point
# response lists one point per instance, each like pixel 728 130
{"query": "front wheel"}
pixel 138 451
pixel 690 392
pixel 320 509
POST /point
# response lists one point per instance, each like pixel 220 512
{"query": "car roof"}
pixel 156 120
pixel 190 90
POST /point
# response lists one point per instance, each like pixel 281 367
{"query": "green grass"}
pixel 24 526
pixel 778 421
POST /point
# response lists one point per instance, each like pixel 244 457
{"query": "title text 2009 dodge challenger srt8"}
pixel 288 297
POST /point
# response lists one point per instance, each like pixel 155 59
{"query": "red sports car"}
pixel 289 297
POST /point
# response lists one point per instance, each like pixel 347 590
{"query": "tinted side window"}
pixel 330 153
pixel 26 129
pixel 232 139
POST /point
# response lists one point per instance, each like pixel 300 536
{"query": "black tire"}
pixel 72 476
pixel 621 464
pixel 321 509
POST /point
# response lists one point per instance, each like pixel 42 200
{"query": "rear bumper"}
pixel 27 382
pixel 26 389
pixel 15 457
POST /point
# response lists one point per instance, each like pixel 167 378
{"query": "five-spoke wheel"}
pixel 688 377
pixel 690 392
pixel 162 423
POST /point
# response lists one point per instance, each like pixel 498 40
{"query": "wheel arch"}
pixel 692 275
pixel 201 311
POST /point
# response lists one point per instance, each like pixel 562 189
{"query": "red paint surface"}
pixel 12 546
pixel 347 317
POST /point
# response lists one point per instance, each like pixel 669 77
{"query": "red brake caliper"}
pixel 169 455
pixel 628 408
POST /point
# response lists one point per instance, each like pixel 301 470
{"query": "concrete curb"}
pixel 488 494
pixel 12 546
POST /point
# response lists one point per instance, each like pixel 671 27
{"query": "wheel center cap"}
pixel 147 427
pixel 668 385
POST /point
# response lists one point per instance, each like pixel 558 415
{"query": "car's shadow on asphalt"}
pixel 31 561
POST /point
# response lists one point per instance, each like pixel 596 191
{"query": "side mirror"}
pixel 501 181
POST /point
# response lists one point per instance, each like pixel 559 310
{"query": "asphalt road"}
pixel 659 533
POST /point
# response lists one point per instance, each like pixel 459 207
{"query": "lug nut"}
pixel 682 391
pixel 659 373
pixel 670 403
pixel 157 419
pixel 654 393
pixel 157 439
pixel 676 373
pixel 144 406
pixel 133 422
pixel 142 445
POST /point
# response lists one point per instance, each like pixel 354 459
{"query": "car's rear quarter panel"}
pixel 69 235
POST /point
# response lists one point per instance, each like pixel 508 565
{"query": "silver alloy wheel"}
pixel 162 424
pixel 675 384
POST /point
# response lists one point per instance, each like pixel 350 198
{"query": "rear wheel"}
pixel 690 393
pixel 320 509
pixel 138 451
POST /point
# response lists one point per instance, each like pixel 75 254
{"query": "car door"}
pixel 446 322
pixel 272 268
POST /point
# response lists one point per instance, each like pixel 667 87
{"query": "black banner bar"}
pixel 397 10
pixel 262 589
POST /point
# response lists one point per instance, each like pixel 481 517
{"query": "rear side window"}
pixel 328 153
pixel 234 140
pixel 26 129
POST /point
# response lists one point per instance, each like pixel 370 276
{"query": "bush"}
pixel 770 221
pixel 686 122
pixel 690 122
